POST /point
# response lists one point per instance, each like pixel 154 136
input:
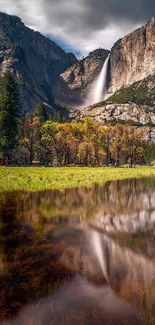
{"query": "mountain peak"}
pixel 98 53
pixel 151 20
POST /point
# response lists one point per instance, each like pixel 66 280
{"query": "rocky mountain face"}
pixel 133 57
pixel 80 77
pixel 36 61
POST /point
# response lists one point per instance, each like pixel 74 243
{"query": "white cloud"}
pixel 83 25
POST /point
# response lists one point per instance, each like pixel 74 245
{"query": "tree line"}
pixel 35 139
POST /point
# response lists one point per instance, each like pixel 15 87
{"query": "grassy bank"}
pixel 37 178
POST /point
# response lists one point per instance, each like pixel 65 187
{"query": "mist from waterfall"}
pixel 99 89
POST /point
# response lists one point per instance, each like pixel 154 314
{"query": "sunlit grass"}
pixel 41 178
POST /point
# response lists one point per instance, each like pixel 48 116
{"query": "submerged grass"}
pixel 41 178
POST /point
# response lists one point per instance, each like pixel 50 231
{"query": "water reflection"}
pixel 47 255
pixel 80 302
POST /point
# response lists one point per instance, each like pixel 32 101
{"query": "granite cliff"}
pixel 35 60
pixel 133 57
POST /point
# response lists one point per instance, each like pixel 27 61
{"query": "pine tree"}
pixel 41 113
pixel 58 117
pixel 9 114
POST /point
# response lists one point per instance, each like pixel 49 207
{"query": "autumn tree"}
pixel 118 144
pixel 106 138
pixel 134 149
pixel 30 137
pixel 91 142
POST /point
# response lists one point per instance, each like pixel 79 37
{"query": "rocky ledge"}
pixel 129 112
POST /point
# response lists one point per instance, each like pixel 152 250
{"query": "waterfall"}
pixel 99 89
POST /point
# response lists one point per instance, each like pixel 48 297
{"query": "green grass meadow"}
pixel 41 178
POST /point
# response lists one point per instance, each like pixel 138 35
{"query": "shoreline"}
pixel 35 179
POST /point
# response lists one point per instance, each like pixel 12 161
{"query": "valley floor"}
pixel 41 178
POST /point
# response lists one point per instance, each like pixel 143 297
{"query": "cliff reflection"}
pixel 46 255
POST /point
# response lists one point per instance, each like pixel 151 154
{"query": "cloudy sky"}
pixel 82 25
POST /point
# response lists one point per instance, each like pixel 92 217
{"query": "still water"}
pixel 79 256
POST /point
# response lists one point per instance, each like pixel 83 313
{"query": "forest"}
pixel 35 138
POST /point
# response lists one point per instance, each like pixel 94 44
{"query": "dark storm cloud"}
pixel 98 14
pixel 134 11
pixel 83 24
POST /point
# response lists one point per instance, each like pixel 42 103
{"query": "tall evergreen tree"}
pixel 40 112
pixel 9 114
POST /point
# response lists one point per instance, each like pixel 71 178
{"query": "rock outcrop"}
pixel 105 112
pixel 36 61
